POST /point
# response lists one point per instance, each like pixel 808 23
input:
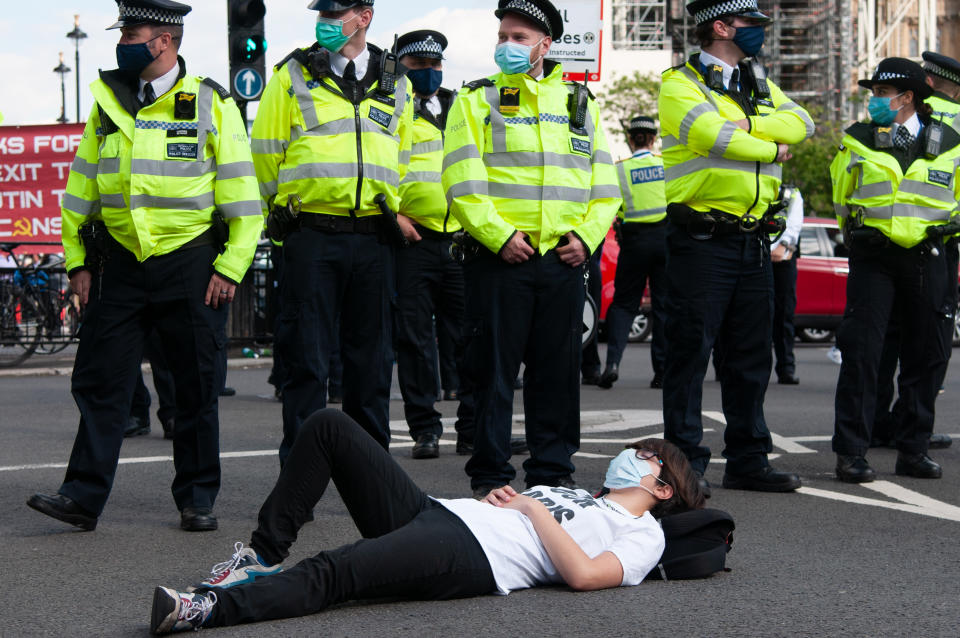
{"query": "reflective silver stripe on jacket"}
pixel 692 116
pixel 713 163
pixel 422 177
pixel 498 127
pixel 233 170
pixel 302 93
pixel 544 193
pixel 690 75
pixel 604 191
pixel 924 213
pixel 172 168
pixel 198 202
pixel 112 200
pixel 799 112
pixel 422 148
pixel 625 190
pixel 536 159
pixel 464 189
pixel 876 189
pixel 267 146
pixel 108 165
pixel 465 152
pixel 80 206
pixel 338 170
pixel 646 212
pixel 204 115
pixel 400 98
pixel 931 191
pixel 84 167
pixel 245 208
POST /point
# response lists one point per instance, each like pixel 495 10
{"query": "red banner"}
pixel 34 165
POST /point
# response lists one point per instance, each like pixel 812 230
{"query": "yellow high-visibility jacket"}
pixel 511 162
pixel 310 140
pixel 899 203
pixel 155 178
pixel 641 184
pixel 709 161
pixel 945 109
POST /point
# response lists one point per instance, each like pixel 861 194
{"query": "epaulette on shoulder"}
pixel 476 84
pixel 222 92
pixel 301 56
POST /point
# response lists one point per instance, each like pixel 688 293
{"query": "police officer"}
pixel 333 132
pixel 528 174
pixel 726 130
pixel 894 184
pixel 164 155
pixel 643 235
pixel 429 281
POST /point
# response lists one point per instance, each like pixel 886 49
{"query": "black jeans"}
pixel 784 308
pixel 718 290
pixel 413 547
pixel 530 313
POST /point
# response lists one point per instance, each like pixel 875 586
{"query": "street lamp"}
pixel 76 35
pixel 62 69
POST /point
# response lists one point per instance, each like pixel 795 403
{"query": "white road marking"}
pixel 789 445
pixel 909 501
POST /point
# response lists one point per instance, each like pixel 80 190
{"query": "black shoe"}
pixel 940 441
pixel 590 379
pixel 518 445
pixel 788 379
pixel 227 391
pixel 450 395
pixel 609 376
pixel 167 428
pixel 764 480
pixel 63 508
pixel 854 469
pixel 137 426
pixel 480 493
pixel 704 487
pixel 657 383
pixel 562 481
pixel 917 466
pixel 198 519
pixel 426 447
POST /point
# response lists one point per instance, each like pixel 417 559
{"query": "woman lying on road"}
pixel 421 548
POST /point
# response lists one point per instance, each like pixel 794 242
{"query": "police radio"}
pixel 934 137
pixel 389 67
pixel 758 76
pixel 578 105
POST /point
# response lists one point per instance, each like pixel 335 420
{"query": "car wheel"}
pixel 956 328
pixel 640 328
pixel 589 324
pixel 815 335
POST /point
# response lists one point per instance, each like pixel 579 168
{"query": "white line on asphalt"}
pixel 789 445
pixel 926 506
pixel 716 416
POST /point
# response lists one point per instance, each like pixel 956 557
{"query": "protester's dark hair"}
pixel 641 139
pixel 676 472
pixel 703 34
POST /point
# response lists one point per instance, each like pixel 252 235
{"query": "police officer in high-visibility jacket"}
pixel 162 171
pixel 429 281
pixel 943 76
pixel 643 245
pixel 726 130
pixel 529 175
pixel 894 183
pixel 333 132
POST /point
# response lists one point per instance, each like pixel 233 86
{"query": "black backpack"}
pixel 697 544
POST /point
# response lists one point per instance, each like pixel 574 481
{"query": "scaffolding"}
pixel 639 25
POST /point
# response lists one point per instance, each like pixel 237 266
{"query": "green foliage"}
pixel 627 97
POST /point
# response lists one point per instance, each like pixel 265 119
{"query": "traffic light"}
pixel 247 48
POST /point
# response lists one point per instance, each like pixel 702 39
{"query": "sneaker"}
pixel 834 355
pixel 179 611
pixel 243 567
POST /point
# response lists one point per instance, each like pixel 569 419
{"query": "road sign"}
pixel 248 84
pixel 578 49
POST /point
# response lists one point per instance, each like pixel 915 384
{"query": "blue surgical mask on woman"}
pixel 513 57
pixel 749 39
pixel 626 470
pixel 425 82
pixel 134 58
pixel 880 111
pixel 330 34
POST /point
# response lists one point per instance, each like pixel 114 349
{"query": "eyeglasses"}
pixel 646 455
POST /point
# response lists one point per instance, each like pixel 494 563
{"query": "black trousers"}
pixel 590 356
pixel 784 308
pixel 527 313
pixel 330 278
pixel 412 547
pixel 643 256
pixel 163 382
pixel 916 280
pixel 130 301
pixel 718 290
pixel 429 284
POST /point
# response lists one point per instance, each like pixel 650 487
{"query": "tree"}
pixel 627 97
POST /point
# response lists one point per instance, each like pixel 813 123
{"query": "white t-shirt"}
pixel 518 558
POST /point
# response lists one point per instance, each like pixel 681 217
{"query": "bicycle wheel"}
pixel 60 322
pixel 21 325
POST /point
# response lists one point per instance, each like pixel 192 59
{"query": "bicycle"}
pixel 38 313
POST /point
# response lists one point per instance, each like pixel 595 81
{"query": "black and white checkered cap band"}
pixel 930 67
pixel 428 47
pixel 889 75
pixel 725 8
pixel 530 9
pixel 151 15
pixel 643 125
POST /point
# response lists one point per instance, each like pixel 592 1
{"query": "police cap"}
pixel 707 10
pixel 540 12
pixel 901 73
pixel 338 5
pixel 642 124
pixel 136 12
pixel 422 44
pixel 941 66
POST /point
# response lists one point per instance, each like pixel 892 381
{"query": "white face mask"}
pixel 626 470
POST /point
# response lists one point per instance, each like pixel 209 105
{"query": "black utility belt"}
pixel 339 223
pixel 428 233
pixel 641 226
pixel 712 222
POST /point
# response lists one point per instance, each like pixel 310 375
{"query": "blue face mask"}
pixel 134 58
pixel 626 470
pixel 513 57
pixel 880 111
pixel 425 82
pixel 330 34
pixel 749 39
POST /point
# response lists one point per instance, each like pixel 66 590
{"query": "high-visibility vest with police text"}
pixel 641 184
